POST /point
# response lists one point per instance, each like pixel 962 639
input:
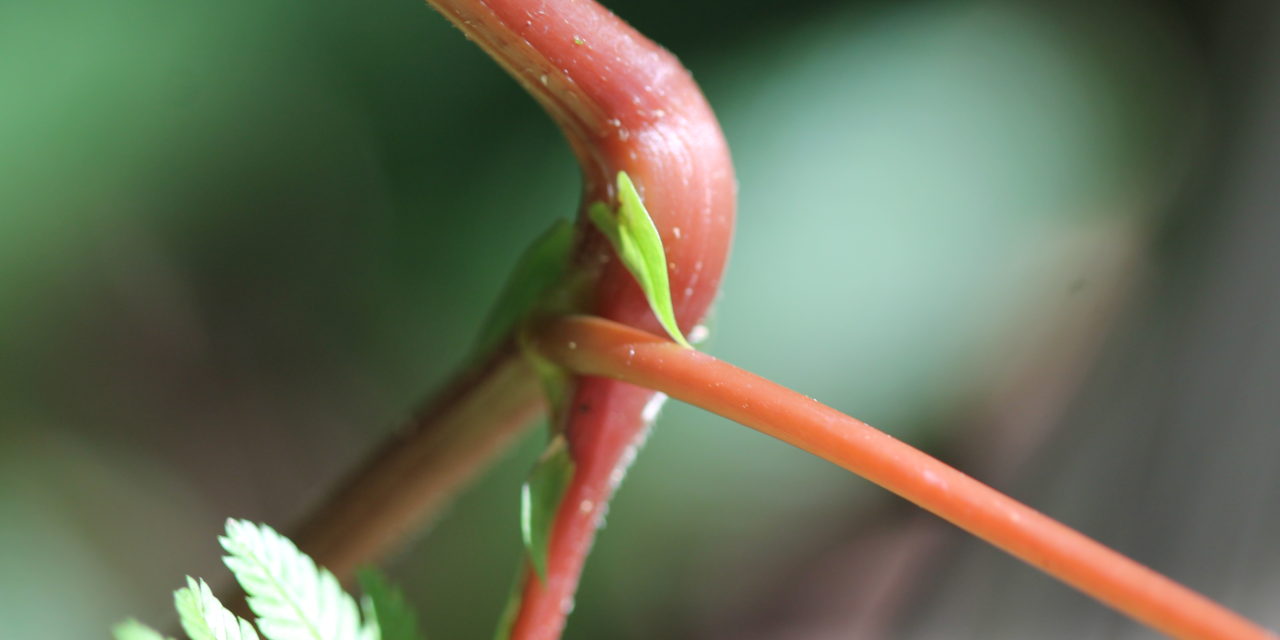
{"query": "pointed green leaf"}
pixel 507 619
pixel 606 222
pixel 292 597
pixel 555 379
pixel 540 268
pixel 204 618
pixel 385 604
pixel 636 240
pixel 540 497
pixel 133 630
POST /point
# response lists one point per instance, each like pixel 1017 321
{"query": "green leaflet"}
pixel 292 597
pixel 507 618
pixel 133 630
pixel 540 268
pixel 204 618
pixel 636 240
pixel 540 497
pixel 554 378
pixel 385 605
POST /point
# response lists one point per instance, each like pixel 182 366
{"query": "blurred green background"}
pixel 240 241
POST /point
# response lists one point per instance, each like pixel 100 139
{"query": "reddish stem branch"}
pixel 405 482
pixel 596 347
pixel 625 104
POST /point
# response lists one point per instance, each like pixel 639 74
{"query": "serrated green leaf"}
pixel 540 269
pixel 540 497
pixel 292 597
pixel 204 618
pixel 133 630
pixel 636 240
pixel 385 605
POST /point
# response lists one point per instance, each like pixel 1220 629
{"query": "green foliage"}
pixel 293 598
pixel 133 630
pixel 636 239
pixel 385 606
pixel 540 497
pixel 539 270
pixel 204 618
pixel 532 288
pixel 507 618
pixel 555 381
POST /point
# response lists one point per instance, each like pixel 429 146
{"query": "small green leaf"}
pixel 204 618
pixel 133 630
pixel 540 268
pixel 292 597
pixel 554 378
pixel 635 238
pixel 507 619
pixel 540 497
pixel 386 605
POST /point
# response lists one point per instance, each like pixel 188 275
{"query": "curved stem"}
pixel 596 347
pixel 626 105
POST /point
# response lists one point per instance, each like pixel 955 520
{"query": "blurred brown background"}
pixel 239 241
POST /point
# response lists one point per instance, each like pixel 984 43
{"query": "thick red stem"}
pixel 595 347
pixel 625 104
pixel 415 473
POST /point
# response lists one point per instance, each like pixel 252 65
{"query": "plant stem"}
pixel 625 104
pixel 406 481
pixel 597 347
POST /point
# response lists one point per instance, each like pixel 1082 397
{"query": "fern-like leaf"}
pixel 386 605
pixel 133 630
pixel 204 618
pixel 292 597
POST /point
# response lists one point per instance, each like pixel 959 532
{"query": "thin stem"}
pixel 597 347
pixel 412 476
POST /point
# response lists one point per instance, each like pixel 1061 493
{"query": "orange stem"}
pixel 597 347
